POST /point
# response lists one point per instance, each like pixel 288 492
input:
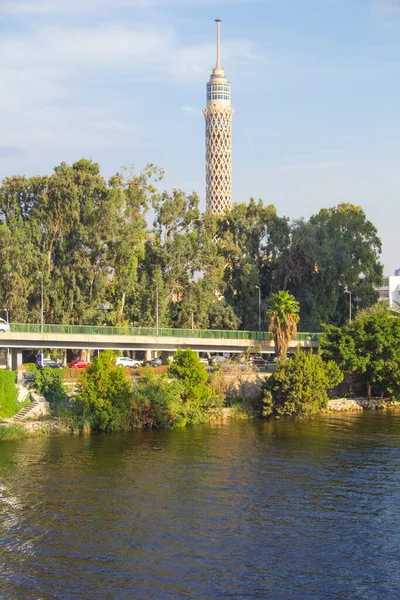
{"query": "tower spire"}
pixel 218 22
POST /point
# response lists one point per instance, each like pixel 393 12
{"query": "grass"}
pixel 9 405
pixel 12 432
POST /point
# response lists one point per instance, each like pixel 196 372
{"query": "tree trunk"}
pixel 369 390
pixel 121 312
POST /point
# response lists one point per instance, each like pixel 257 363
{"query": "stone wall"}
pixel 357 404
pixel 239 382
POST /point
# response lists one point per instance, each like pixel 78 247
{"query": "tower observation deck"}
pixel 218 115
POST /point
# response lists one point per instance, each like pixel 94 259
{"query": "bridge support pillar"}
pixel 165 355
pixel 16 358
pixel 147 355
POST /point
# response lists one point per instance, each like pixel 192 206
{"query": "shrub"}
pixel 157 402
pixel 188 369
pixel 104 395
pixel 49 383
pixel 299 386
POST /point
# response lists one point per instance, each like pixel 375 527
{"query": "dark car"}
pixel 52 364
pixel 154 362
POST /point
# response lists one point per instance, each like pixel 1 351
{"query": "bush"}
pixel 157 403
pixel 188 369
pixel 299 386
pixel 104 395
pixel 9 405
pixel 49 383
pixel 183 398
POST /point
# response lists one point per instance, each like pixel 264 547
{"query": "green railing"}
pixel 151 331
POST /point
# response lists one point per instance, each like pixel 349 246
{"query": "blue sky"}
pixel 315 87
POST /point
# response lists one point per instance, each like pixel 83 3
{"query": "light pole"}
pixel 41 302
pixel 347 291
pixel 156 308
pixel 259 307
pixel 7 349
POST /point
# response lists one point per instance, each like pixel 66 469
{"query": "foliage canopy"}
pixel 104 394
pixel 299 385
pixel 369 349
pixel 282 314
pixel 90 241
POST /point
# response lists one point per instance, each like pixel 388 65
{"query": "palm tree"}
pixel 282 315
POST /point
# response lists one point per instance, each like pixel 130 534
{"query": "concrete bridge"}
pixel 148 339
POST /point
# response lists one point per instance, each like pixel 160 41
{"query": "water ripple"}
pixel 280 510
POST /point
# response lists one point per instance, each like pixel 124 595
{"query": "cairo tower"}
pixel 218 115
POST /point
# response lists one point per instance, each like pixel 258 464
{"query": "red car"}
pixel 79 364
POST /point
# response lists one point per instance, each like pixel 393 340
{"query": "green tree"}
pixel 188 369
pixel 250 239
pixel 325 254
pixel 282 315
pixel 198 398
pixel 369 349
pixel 104 395
pixel 299 386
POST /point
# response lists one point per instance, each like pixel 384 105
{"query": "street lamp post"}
pixel 7 349
pixel 347 291
pixel 157 308
pixel 41 302
pixel 259 307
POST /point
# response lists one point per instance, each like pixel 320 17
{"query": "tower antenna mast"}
pixel 218 65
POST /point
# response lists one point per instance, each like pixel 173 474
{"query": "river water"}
pixel 256 510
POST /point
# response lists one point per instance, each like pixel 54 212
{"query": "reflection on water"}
pixel 277 510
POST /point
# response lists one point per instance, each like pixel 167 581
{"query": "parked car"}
pixel 79 364
pixel 125 361
pixel 42 362
pixel 154 362
pixel 4 326
pixel 52 364
pixel 215 361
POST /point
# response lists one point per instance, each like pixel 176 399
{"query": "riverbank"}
pixel 359 404
pixel 49 426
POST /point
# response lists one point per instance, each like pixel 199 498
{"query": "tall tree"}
pixel 326 254
pixel 369 349
pixel 251 238
pixel 282 314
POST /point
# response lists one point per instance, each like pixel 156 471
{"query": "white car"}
pixel 4 326
pixel 125 361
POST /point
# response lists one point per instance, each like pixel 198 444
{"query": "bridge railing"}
pixel 152 331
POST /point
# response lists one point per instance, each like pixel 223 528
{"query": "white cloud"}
pixel 392 6
pixel 191 111
pixel 60 83
pixel 81 6
pixel 315 166
pixel 149 53
pixel 11 152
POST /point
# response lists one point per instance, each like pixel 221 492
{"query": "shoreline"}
pixel 55 427
pixel 359 404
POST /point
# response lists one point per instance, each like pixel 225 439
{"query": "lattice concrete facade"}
pixel 218 115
